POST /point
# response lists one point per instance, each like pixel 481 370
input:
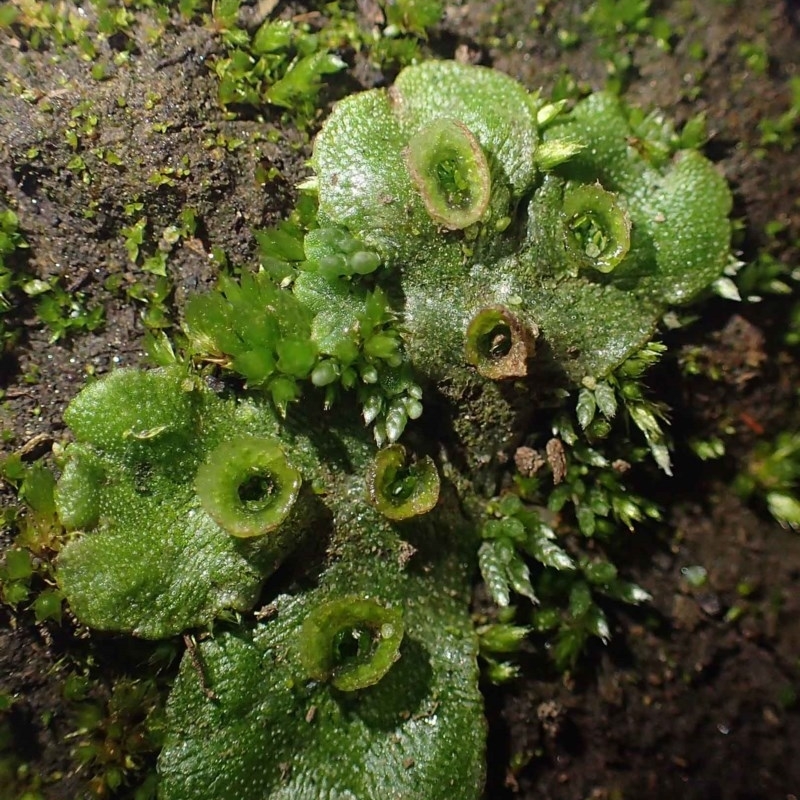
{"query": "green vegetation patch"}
pixel 657 220
pixel 461 238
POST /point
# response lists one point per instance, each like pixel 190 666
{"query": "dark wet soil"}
pixel 697 695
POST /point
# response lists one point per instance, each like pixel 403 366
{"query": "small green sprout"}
pixel 273 351
pixel 781 131
pixel 26 573
pixel 11 276
pixel 281 64
pixel 773 473
pixel 334 254
pixel 113 739
pixel 413 16
pixel 64 312
pixel 497 641
pixel 331 328
pixel 513 531
pixel 571 611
